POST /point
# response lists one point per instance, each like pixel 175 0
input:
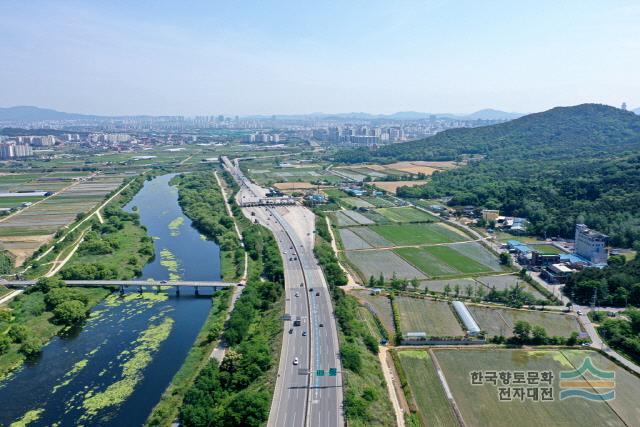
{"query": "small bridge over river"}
pixel 122 284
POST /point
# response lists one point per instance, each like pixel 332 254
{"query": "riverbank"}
pixel 166 411
pixel 202 201
pixel 174 334
pixel 28 324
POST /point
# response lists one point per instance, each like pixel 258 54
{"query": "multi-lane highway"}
pixel 301 396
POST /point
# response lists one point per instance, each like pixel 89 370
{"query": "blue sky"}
pixel 277 57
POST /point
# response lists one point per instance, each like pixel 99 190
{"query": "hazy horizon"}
pixel 262 58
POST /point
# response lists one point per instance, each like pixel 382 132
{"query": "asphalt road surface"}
pixel 301 397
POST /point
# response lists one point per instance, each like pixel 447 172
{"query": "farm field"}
pixel 13 202
pixel 439 285
pixel 286 186
pixel 358 217
pixel 392 186
pixel 334 192
pixel 500 321
pixel 380 305
pixel 385 262
pixel 433 406
pixel 508 281
pixel 351 240
pixel 355 202
pixel 378 202
pixel 27 230
pixel 441 261
pixel 480 406
pixel 478 253
pixel 423 315
pixel 418 234
pixel 371 237
pixel 341 220
pixel 406 214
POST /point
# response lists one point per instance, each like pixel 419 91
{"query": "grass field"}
pixel 418 234
pixel 334 192
pixel 423 315
pixel 480 406
pixel 500 321
pixel 355 202
pixel 433 406
pixel 441 261
pixel 380 305
pixel 547 249
pixel 406 214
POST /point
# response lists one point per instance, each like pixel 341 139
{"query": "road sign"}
pixel 320 373
pixel 333 372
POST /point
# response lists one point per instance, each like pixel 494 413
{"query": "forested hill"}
pixel 556 168
pixel 587 130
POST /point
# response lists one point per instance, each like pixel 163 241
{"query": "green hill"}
pixel 556 168
pixel 589 130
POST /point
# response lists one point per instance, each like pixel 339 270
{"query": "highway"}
pixel 301 397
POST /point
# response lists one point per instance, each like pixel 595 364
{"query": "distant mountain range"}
pixel 28 113
pixel 34 114
pixel 637 111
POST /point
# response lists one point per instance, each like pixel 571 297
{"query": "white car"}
pixel 295 360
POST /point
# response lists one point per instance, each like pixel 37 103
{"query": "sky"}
pixel 292 57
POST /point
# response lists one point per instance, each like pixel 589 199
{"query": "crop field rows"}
pixel 27 230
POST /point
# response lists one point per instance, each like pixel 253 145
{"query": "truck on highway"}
pixel 297 321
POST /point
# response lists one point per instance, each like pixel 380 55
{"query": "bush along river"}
pixel 115 368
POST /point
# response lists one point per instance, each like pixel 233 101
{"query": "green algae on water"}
pixel 146 345
pixel 174 226
pixel 28 418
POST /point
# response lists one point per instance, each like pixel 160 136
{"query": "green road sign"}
pixel 320 373
pixel 333 372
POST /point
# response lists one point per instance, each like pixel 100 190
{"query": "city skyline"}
pixel 287 58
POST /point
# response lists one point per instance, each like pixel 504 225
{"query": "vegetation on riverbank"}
pixel 201 200
pixel 166 411
pixel 33 318
pixel 66 238
pixel 366 399
pixel 238 391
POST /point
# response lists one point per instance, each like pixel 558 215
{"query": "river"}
pixel 114 370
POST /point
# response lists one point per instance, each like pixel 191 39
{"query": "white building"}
pixel 590 244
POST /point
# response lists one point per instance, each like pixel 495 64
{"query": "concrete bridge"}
pixel 122 284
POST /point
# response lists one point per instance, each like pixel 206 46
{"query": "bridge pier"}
pixel 197 290
pixel 140 289
pixel 121 290
pixel 158 289
pixel 177 290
